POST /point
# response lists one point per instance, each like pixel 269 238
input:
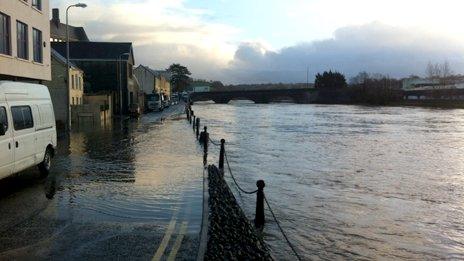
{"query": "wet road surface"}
pixel 128 191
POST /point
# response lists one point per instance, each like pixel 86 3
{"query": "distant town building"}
pixel 108 69
pixel 415 82
pixel 58 30
pixel 154 81
pixel 25 40
pixel 201 88
pixel 59 88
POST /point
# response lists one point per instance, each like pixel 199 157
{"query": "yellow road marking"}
pixel 177 244
pixel 165 241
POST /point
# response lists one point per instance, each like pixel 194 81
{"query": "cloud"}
pixel 373 47
pixel 167 31
pixel 162 31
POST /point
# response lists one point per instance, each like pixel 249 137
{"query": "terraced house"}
pixel 25 40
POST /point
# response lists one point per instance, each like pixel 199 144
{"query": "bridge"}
pixel 257 96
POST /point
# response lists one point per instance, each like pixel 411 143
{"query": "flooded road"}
pixel 350 182
pixel 130 191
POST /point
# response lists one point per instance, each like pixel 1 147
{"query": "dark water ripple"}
pixel 350 182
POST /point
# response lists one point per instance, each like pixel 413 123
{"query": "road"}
pixel 128 191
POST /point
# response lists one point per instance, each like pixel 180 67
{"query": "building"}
pixel 58 30
pixel 58 87
pixel 153 81
pixel 201 89
pixel 25 40
pixel 414 82
pixel 108 70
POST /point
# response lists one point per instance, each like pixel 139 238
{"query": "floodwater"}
pixel 111 195
pixel 350 182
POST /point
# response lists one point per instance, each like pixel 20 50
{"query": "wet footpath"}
pixel 129 191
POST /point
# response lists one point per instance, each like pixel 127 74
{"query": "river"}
pixel 349 182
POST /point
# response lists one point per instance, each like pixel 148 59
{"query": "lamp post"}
pixel 68 95
pixel 120 82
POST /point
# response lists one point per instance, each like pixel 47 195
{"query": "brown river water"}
pixel 349 182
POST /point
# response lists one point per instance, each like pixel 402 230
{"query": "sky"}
pixel 238 41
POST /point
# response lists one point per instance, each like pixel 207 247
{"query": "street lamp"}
pixel 68 117
pixel 120 81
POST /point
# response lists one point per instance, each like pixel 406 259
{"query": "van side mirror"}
pixel 2 129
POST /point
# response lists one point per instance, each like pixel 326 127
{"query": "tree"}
pixel 180 77
pixel 330 80
pixel 360 78
pixel 440 72
pixel 433 71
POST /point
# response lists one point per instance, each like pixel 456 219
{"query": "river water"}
pixel 350 182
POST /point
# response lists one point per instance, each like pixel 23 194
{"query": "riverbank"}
pixel 230 234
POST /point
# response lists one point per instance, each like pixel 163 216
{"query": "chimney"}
pixel 56 16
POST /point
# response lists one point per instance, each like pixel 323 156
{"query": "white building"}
pixel 412 83
pixel 25 40
pixel 153 81
pixel 201 89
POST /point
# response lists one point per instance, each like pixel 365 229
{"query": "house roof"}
pixel 94 50
pixel 58 30
pixel 157 73
pixel 62 59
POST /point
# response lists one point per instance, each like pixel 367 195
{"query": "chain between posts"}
pixel 260 183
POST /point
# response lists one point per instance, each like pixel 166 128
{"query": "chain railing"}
pixel 204 139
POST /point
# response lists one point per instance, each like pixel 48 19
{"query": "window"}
pixel 22 117
pixel 37 4
pixel 38 50
pixel 131 71
pixel 72 103
pixel 5 41
pixel 3 118
pixel 22 39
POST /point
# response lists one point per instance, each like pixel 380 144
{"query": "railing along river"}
pixel 204 139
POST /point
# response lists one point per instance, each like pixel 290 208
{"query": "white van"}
pixel 27 128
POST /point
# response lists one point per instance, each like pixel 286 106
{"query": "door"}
pixel 24 138
pixel 6 150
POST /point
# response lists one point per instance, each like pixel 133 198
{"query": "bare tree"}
pixel 445 73
pixel 434 71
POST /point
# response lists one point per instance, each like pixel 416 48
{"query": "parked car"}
pixel 185 96
pixel 27 128
pixel 175 98
pixel 166 101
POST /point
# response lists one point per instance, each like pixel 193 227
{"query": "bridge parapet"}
pixel 257 96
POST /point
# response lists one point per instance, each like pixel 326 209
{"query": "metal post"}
pixel 205 146
pixel 187 111
pixel 192 114
pixel 259 217
pixel 68 94
pixel 194 121
pixel 198 127
pixel 221 155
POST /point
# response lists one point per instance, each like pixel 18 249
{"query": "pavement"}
pixel 129 191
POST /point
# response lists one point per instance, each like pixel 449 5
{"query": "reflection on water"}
pixel 349 181
pixel 138 171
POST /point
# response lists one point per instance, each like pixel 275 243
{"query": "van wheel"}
pixel 46 164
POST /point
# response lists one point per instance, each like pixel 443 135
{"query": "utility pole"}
pixel 68 94
pixel 307 77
